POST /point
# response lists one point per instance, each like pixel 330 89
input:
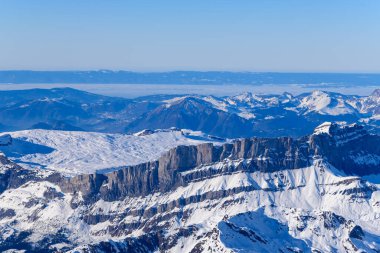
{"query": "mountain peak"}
pixel 323 128
pixel 318 93
pixel 331 128
pixel 334 128
pixel 245 96
pixel 325 103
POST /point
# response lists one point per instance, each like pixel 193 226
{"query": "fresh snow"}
pixel 246 115
pixel 248 105
pixel 217 103
pixel 73 152
pixel 323 128
pixel 325 104
pixel 298 204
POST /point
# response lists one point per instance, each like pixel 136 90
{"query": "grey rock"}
pixel 339 148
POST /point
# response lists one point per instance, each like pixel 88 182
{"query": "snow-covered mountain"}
pixel 77 152
pixel 326 104
pixel 67 109
pixel 309 194
pixel 244 115
pixel 80 172
pixel 196 113
pixel 261 115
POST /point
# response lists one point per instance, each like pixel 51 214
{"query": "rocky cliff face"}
pixel 348 148
pixel 12 175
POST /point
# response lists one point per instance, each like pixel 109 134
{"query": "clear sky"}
pixel 157 35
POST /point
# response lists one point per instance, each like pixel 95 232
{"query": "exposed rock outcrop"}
pixel 347 147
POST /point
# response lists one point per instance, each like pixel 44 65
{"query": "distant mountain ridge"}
pixel 243 115
pixel 185 77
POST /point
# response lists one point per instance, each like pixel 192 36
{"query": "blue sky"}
pixel 240 35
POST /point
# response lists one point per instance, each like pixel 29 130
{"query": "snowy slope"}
pixel 326 103
pixel 73 153
pixel 295 202
pixel 311 208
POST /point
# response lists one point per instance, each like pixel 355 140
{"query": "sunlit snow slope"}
pixel 73 152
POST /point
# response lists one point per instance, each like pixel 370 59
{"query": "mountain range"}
pixel 237 116
pixel 86 173
pixel 316 193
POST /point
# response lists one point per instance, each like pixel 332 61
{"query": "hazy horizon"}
pixel 191 70
pixel 139 90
